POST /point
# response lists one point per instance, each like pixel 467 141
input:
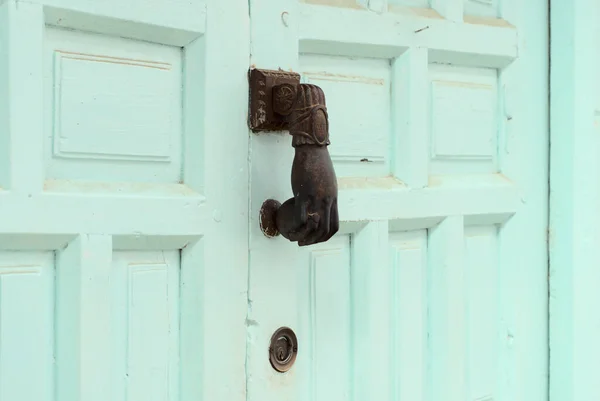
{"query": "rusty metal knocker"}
pixel 278 101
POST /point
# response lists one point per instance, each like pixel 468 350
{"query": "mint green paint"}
pixel 124 197
pixel 132 266
pixel 443 292
pixel 574 221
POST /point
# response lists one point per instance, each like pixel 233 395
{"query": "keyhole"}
pixel 283 349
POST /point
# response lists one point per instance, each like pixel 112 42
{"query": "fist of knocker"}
pixel 311 216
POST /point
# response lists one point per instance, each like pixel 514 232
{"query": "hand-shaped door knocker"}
pixel 278 101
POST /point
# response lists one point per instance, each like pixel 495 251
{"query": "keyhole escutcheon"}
pixel 283 349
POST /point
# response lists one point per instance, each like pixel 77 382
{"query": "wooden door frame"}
pixel 574 190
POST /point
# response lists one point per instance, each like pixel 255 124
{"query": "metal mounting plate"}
pixel 283 349
pixel 261 114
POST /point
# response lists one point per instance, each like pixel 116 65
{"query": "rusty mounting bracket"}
pixel 272 95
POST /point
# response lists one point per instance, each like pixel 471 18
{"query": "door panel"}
pixel 361 154
pixel 408 304
pixel 123 197
pixel 138 84
pixel 26 313
pixel 146 312
pixel 436 285
pixel 327 277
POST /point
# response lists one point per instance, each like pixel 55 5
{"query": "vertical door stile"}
pixel 410 119
pixel 574 228
pixel 26 119
pixel 370 305
pixel 448 328
pixel 85 322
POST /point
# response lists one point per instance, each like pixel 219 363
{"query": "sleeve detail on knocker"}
pixel 309 121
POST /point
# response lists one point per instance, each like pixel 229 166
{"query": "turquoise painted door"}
pixel 132 265
pixel 123 200
pixel 435 288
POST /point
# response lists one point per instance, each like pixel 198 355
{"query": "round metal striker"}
pixel 283 349
pixel 268 214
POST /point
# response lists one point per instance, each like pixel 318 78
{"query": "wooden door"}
pixel 123 200
pixel 435 287
pixel 574 219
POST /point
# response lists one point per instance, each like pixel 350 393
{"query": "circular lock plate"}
pixel 283 349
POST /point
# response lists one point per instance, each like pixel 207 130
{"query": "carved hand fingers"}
pixel 327 223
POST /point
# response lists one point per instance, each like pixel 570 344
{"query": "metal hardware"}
pixel 283 349
pixel 265 105
pixel 278 101
pixel 268 211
